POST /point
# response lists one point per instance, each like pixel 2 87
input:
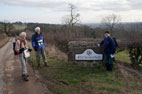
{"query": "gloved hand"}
pixel 21 50
pixel 112 55
pixel 29 50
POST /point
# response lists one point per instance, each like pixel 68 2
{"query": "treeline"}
pixel 11 28
pixel 60 35
pixel 81 31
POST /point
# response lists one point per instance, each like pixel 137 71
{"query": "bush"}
pixel 135 55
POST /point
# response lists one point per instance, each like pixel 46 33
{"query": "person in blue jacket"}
pixel 109 50
pixel 38 43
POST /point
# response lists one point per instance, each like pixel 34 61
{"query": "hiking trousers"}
pixel 23 62
pixel 108 61
pixel 43 54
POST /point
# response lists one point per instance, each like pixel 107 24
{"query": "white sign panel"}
pixel 89 54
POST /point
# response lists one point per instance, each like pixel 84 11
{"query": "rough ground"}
pixel 11 81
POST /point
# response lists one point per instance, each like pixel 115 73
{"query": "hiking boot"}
pixel 25 77
pixel 46 65
pixel 38 66
pixel 24 74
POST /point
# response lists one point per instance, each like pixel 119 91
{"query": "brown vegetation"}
pixel 3 40
pixel 55 53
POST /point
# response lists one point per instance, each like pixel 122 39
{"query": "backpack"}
pixel 14 45
pixel 116 44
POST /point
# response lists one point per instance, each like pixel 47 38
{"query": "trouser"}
pixel 108 62
pixel 43 54
pixel 23 62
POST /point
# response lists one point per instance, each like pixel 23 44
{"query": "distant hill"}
pixel 125 25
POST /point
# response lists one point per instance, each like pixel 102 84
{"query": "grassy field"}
pixel 73 79
pixel 19 27
pixel 123 56
pixel 64 78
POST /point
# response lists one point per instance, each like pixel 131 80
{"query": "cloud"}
pixel 94 5
pixel 135 4
pixel 111 5
pixel 90 10
pixel 50 4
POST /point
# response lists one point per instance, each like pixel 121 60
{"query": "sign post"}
pixel 89 54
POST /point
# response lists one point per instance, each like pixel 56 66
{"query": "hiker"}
pixel 109 50
pixel 38 43
pixel 20 47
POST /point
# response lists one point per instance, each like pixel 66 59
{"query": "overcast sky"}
pixel 52 11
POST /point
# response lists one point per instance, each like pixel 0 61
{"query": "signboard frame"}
pixel 89 55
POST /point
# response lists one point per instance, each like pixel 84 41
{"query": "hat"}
pixel 107 32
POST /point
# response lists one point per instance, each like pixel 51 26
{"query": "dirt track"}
pixel 11 81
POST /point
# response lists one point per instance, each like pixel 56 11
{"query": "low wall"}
pixel 78 47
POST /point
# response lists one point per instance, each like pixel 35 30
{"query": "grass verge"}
pixel 123 56
pixel 64 78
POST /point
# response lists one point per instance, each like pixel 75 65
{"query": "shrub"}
pixel 135 51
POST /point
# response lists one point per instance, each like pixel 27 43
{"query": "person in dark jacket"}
pixel 38 43
pixel 109 50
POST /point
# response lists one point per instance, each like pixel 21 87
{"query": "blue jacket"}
pixel 38 42
pixel 109 45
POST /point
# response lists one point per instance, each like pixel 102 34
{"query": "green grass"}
pixel 64 78
pixel 78 79
pixel 19 27
pixel 123 56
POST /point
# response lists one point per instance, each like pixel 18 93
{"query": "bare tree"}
pixel 72 19
pixel 111 21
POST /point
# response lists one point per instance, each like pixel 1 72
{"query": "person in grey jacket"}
pixel 21 46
